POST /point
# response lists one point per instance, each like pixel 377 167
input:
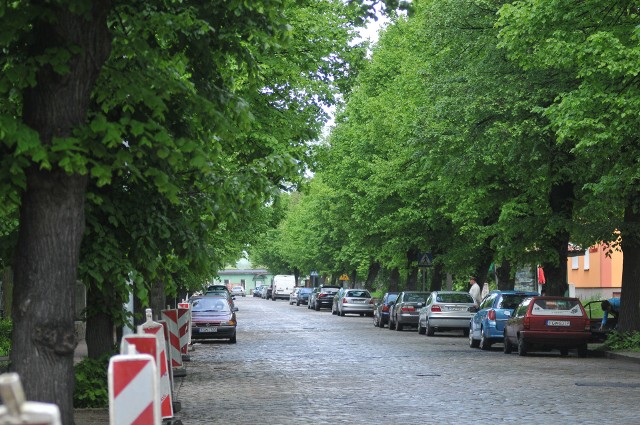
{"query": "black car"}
pixel 381 310
pixel 322 296
pixel 303 295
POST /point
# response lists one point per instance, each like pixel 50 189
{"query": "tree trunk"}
pixel 52 207
pixel 436 278
pixel 561 202
pixel 374 269
pixel 629 319
pixel 503 273
pixel 394 280
pixel 157 299
pixel 354 277
pixel 100 325
pixel 412 270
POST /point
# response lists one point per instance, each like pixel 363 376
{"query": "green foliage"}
pixel 6 327
pixel 91 389
pixel 618 341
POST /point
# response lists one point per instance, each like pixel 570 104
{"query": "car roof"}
pixel 513 292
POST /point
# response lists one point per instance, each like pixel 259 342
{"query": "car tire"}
pixel 484 343
pixel 298 303
pixel 564 352
pixel 430 330
pixel 508 348
pixel 473 343
pixel 421 329
pixel 342 313
pixel 522 346
pixel 399 326
pixel 232 340
pixel 392 325
pixel 316 306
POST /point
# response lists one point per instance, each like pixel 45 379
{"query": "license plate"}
pixel 457 308
pixel 208 330
pixel 558 323
pixel 357 301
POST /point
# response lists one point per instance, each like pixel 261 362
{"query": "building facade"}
pixel 596 272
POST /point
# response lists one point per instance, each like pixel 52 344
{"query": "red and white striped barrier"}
pixel 171 318
pixel 16 410
pixel 184 324
pixel 133 389
pixel 166 380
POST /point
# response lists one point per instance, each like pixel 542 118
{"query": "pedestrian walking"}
pixel 475 290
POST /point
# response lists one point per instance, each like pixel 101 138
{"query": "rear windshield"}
pixel 358 294
pixel 417 298
pixel 392 297
pixel 511 301
pixel 210 304
pixel 551 307
pixel 454 298
pixel 329 290
pixel 305 290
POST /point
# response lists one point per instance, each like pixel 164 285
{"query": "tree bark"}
pixel 7 291
pixel 52 207
pixel 436 277
pixel 100 324
pixel 503 273
pixel 412 270
pixel 629 320
pixel 394 280
pixel 374 269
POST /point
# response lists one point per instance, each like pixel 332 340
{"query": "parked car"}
pixel 544 323
pixel 302 296
pixel 322 297
pixel 405 310
pixel 487 325
pixel 266 292
pixel 293 296
pixel 445 311
pixel 258 291
pixel 595 313
pixel 217 287
pixel 381 310
pixel 238 291
pixel 281 286
pixel 224 294
pixel 336 297
pixel 213 318
pixel 355 301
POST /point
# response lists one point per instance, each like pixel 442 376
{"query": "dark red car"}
pixel 543 323
pixel 213 318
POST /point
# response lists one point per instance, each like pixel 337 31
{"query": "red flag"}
pixel 541 279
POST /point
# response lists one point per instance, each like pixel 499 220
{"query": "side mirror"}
pixel 234 309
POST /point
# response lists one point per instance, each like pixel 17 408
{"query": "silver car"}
pixel 356 301
pixel 446 310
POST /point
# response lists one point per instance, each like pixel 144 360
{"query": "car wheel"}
pixel 473 343
pixel 582 351
pixel 430 330
pixel 399 326
pixel 392 324
pixel 508 348
pixel 232 340
pixel 522 346
pixel 317 307
pixel 564 352
pixel 484 341
pixel 298 303
pixel 421 329
pixel 381 323
pixel 342 313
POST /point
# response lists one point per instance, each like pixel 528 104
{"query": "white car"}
pixel 238 290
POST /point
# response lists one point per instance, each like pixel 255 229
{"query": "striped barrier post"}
pixel 166 385
pixel 16 410
pixel 170 317
pixel 133 389
pixel 184 329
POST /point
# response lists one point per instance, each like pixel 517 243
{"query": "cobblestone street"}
pixel 292 365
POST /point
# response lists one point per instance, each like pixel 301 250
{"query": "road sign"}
pixel 425 259
pixel 344 277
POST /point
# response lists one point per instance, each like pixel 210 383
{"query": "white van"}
pixel 282 286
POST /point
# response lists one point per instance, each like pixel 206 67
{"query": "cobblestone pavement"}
pixel 292 365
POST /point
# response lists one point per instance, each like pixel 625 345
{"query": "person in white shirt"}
pixel 475 290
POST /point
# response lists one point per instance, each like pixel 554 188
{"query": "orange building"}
pixel 595 273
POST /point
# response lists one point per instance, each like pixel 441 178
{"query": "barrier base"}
pixel 191 347
pixel 177 406
pixel 179 372
pixel 171 422
pixel 186 358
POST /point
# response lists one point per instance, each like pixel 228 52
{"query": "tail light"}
pixel 491 315
pixel 344 301
pixel 408 308
pixel 322 295
pixel 371 301
pixel 385 308
pixel 435 308
pixel 527 322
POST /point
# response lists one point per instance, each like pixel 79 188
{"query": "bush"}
pixel 91 390
pixel 623 341
pixel 6 327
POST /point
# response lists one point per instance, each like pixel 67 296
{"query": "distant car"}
pixel 219 287
pixel 293 296
pixel 355 301
pixel 224 294
pixel 258 291
pixel 381 310
pixel 302 296
pixel 487 325
pixel 238 291
pixel 267 291
pixel 322 297
pixel 544 323
pixel 405 309
pixel 445 311
pixel 213 318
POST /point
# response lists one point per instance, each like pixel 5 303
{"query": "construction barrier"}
pixel 166 378
pixel 133 388
pixel 170 317
pixel 184 324
pixel 16 410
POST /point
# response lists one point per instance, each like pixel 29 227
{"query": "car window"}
pixel 454 298
pixel 488 301
pixel 358 294
pixel 417 297
pixel 210 304
pixel 392 297
pixel 551 307
pixel 510 301
pixel 522 308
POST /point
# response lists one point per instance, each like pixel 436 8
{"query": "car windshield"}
pixel 216 294
pixel 392 297
pixel 358 294
pixel 210 304
pixel 305 290
pixel 417 297
pixel 511 301
pixel 555 307
pixel 454 298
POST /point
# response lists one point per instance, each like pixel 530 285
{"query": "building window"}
pixel 226 281
pixel 242 282
pixel 574 263
pixel 586 260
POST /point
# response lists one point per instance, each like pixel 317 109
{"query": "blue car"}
pixel 487 325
